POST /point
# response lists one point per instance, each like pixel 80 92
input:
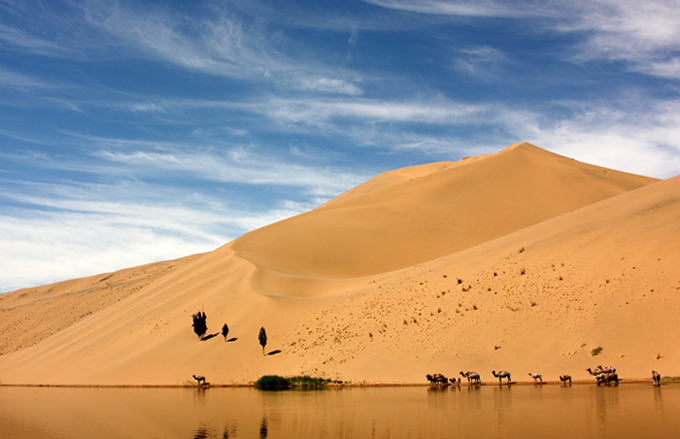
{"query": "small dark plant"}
pixel 596 351
pixel 225 331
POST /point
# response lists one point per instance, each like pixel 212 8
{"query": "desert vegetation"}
pixel 200 324
pixel 276 382
pixel 262 338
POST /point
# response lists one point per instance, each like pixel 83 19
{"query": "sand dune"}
pixel 520 260
pixel 414 215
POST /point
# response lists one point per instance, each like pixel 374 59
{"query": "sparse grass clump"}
pixel 307 382
pixel 670 380
pixel 596 351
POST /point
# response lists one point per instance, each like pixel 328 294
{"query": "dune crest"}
pixel 418 214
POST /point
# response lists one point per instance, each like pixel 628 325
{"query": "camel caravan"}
pixel 603 375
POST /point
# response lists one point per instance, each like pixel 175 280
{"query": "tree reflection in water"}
pixel 229 432
pixel 207 433
pixel 201 433
pixel 263 428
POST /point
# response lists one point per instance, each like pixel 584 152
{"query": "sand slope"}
pixel 417 214
pixel 520 260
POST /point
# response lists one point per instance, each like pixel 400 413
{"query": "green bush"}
pixel 275 382
pixel 307 382
pixel 272 382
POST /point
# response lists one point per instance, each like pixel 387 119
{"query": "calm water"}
pixel 551 411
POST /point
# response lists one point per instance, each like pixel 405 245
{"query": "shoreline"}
pixel 334 385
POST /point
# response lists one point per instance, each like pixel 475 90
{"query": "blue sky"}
pixel 137 131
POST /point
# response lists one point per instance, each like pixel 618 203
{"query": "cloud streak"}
pixel 73 230
pixel 644 34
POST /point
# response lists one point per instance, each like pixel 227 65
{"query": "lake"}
pixel 527 411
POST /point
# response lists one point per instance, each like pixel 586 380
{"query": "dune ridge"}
pixel 587 260
pixel 414 215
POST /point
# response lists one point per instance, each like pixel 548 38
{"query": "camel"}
pixel 472 377
pixel 599 370
pixel 607 379
pixel 656 377
pixel 565 378
pixel 502 374
pixel 201 380
pixel 437 380
pixel 536 376
pixel 595 372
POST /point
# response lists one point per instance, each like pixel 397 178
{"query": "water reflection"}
pixel 199 394
pixel 229 432
pixel 407 412
pixel 263 428
pixel 204 432
pixel 201 433
pixel 502 403
pixel 606 400
pixel 658 401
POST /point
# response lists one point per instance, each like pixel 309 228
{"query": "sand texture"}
pixel 521 260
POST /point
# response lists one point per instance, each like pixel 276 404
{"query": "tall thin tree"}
pixel 262 337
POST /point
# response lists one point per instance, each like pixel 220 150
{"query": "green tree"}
pixel 199 324
pixel 262 337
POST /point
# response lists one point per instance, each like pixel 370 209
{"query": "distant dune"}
pixel 521 260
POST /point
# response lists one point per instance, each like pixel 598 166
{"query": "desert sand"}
pixel 522 260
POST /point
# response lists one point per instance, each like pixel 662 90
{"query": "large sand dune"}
pixel 521 260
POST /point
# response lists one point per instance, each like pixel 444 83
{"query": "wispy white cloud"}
pixel 481 62
pixel 12 79
pixel 70 230
pixel 643 34
pixel 336 86
pixel 237 165
pixel 219 43
pixel 320 111
pixel 623 134
pixel 215 39
pixel 464 8
pixel 644 141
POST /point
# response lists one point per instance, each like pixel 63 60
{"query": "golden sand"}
pixel 521 260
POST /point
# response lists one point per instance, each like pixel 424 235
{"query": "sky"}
pixel 134 131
